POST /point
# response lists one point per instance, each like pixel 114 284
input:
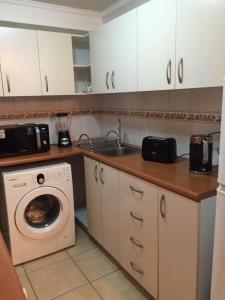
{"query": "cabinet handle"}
pixel 95 172
pixel 113 79
pixel 101 175
pixel 181 70
pixel 136 190
pixel 136 217
pixel 107 80
pixel 163 206
pixel 168 72
pixel 8 84
pixel 136 243
pixel 46 83
pixel 136 269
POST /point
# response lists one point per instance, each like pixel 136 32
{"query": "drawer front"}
pixel 138 192
pixel 142 244
pixel 140 271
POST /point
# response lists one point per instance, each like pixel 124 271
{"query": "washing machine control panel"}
pixel 54 175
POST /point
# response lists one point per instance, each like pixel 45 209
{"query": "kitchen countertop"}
pixel 174 177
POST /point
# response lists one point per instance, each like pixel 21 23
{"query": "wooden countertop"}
pixel 10 287
pixel 174 177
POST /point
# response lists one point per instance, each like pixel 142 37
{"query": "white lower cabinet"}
pixel 102 196
pixel 163 240
pixel 186 230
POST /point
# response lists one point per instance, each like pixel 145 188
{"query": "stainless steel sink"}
pixel 117 151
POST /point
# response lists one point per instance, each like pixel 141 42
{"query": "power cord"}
pixel 182 155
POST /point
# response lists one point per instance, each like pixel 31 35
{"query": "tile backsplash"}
pixel 133 128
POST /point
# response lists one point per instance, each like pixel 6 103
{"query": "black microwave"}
pixel 23 139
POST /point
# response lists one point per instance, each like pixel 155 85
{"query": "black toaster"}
pixel 159 149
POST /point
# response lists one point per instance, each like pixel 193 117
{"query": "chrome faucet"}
pixel 118 134
pixel 89 139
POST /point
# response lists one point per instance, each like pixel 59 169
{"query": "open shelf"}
pixel 81 61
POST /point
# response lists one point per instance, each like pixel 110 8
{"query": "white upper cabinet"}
pixel 19 62
pixel 200 43
pixel 56 63
pixel 156 45
pixel 113 49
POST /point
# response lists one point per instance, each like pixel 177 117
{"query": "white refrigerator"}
pixel 218 274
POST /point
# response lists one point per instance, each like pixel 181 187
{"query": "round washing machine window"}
pixel 42 212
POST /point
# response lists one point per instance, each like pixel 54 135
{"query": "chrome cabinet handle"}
pixel 168 72
pixel 8 84
pixel 136 269
pixel 136 190
pixel 136 217
pixel 107 80
pixel 101 176
pixel 113 79
pixel 38 137
pixel 95 172
pixel 181 70
pixel 46 83
pixel 136 243
pixel 163 206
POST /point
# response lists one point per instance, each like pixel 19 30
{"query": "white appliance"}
pixel 39 206
pixel 218 274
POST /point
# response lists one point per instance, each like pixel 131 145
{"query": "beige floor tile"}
pixel 116 286
pixel 83 243
pixel 45 261
pixel 56 279
pixel 20 270
pixel 85 292
pixel 94 264
pixel 26 284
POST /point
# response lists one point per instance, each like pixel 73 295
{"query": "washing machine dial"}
pixel 40 178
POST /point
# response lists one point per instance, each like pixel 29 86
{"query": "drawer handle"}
pixel 8 84
pixel 135 190
pixel 163 206
pixel 136 243
pixel 136 217
pixel 101 176
pixel 181 70
pixel 107 80
pixel 168 72
pixel 113 79
pixel 136 269
pixel 46 83
pixel 95 172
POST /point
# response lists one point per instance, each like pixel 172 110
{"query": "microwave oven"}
pixel 23 139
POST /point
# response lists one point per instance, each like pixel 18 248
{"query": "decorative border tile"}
pixel 211 117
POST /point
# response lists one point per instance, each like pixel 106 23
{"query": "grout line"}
pixel 69 291
pixel 31 284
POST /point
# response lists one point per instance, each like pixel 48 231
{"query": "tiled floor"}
pixel 82 272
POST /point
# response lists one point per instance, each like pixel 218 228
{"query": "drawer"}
pixel 139 220
pixel 139 270
pixel 144 245
pixel 139 192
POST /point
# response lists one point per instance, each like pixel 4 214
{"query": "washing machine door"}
pixel 42 212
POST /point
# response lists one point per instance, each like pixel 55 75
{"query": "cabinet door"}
pixel 178 247
pixel 56 62
pixel 19 62
pixel 100 60
pixel 93 198
pixel 200 43
pixel 110 209
pixel 156 21
pixel 123 53
pixel 1 88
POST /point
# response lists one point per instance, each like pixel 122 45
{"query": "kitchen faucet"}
pixel 117 133
pixel 89 139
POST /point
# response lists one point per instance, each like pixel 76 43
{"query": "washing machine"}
pixel 39 211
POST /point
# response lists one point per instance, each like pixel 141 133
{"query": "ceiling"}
pixel 97 5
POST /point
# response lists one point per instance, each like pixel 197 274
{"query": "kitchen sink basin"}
pixel 117 151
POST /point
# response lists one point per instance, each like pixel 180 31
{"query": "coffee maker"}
pixel 63 125
pixel 201 150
